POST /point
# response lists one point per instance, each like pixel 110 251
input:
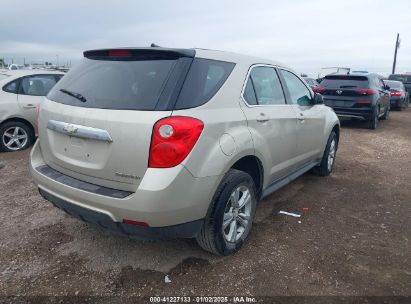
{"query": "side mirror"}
pixel 387 87
pixel 318 98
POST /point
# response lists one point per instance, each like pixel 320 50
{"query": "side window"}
pixel 11 87
pixel 249 94
pixel 299 93
pixel 264 87
pixel 203 81
pixel 37 85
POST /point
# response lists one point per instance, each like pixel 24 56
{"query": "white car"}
pixel 21 92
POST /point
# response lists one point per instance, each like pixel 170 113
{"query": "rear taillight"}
pixel 395 93
pixel 172 140
pixel 319 90
pixel 366 92
pixel 37 127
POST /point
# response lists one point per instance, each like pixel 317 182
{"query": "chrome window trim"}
pixel 245 83
pixel 79 131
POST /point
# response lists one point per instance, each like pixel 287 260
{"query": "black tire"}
pixel 323 169
pixel 212 235
pixel 386 113
pixel 404 104
pixel 24 129
pixel 373 121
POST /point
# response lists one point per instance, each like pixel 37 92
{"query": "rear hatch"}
pixel 345 91
pixel 96 123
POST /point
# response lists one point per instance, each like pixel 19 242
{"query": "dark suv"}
pixel 364 97
pixel 405 79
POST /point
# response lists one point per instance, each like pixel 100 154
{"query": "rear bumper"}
pixel 164 198
pixel 359 113
pixel 186 230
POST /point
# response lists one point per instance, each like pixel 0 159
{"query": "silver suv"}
pixel 178 143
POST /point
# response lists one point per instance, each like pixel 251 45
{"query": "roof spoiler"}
pixel 144 53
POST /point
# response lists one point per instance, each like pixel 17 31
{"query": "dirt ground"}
pixel 355 239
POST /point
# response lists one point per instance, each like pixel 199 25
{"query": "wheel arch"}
pixel 22 120
pixel 252 165
pixel 336 129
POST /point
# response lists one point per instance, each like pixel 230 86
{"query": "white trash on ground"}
pixel 167 279
pixel 290 214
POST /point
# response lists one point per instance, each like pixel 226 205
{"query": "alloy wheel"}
pixel 15 138
pixel 237 214
pixel 331 155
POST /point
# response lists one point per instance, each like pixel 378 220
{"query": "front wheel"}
pixel 231 214
pixel 327 162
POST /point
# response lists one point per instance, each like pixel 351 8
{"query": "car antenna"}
pixel 154 45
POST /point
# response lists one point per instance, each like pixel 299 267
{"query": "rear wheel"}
pixel 400 106
pixel 405 103
pixel 231 214
pixel 373 121
pixel 15 136
pixel 328 159
pixel 386 113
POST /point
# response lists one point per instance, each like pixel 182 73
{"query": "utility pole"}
pixel 397 46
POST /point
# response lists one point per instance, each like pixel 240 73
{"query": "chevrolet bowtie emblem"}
pixel 70 129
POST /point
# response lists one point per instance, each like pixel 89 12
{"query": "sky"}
pixel 304 35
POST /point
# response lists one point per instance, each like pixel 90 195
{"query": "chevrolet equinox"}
pixel 178 143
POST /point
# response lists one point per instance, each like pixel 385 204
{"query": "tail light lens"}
pixel 366 92
pixel 319 90
pixel 172 140
pixel 395 93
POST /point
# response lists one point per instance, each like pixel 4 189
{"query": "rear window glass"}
pixel 345 81
pixel 140 84
pixel 121 85
pixel 393 84
pixel 402 78
pixel 203 80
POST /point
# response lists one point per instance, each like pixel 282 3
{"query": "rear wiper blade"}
pixel 74 94
pixel 347 86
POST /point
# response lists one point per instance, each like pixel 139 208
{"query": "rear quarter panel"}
pixel 226 137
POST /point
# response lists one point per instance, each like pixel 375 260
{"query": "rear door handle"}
pixel 262 118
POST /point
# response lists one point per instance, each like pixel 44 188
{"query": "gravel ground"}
pixel 353 240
